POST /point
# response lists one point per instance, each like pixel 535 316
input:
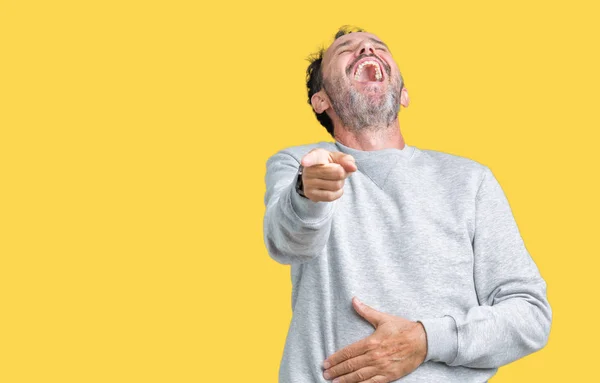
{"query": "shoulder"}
pixel 453 167
pixel 446 159
pixel 299 151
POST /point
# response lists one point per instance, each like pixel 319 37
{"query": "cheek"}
pixel 342 65
pixel 391 64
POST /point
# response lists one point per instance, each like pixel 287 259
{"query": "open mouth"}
pixel 368 70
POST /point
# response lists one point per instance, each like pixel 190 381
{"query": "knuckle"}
pixel 333 195
pixel 377 354
pixel 382 363
pixel 349 366
pixel 373 343
pixel 360 375
pixel 312 194
pixel 371 358
pixel 331 172
pixel 330 185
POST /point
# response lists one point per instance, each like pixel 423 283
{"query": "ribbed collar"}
pixel 377 164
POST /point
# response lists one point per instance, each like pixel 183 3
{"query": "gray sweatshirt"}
pixel 421 234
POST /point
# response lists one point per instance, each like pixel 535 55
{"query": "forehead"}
pixel 348 39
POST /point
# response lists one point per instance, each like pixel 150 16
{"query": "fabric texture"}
pixel 421 234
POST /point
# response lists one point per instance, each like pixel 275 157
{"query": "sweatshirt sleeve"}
pixel 513 317
pixel 296 229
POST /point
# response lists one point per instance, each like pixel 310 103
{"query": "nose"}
pixel 366 48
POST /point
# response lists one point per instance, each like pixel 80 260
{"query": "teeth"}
pixel 359 70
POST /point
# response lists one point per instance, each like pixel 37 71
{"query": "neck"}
pixel 371 138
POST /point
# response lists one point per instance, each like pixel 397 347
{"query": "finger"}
pixel 376 379
pixel 348 352
pixel 361 375
pixel 316 156
pixel 370 314
pixel 348 366
pixel 323 195
pixel 346 160
pixel 328 171
pixel 321 184
pixel 349 166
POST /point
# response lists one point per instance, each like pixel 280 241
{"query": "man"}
pixel 426 240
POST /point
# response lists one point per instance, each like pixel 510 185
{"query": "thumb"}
pixel 370 314
pixel 318 156
pixel 346 160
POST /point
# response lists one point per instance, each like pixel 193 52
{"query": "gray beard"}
pixel 360 112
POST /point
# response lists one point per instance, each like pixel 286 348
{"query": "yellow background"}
pixel 134 136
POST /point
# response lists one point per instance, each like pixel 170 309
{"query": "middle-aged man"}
pixel 425 239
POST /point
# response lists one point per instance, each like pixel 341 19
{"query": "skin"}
pixel 397 346
pixel 336 59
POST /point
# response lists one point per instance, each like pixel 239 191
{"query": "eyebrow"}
pixel 348 42
pixel 379 42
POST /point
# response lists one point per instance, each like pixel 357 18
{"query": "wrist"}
pixel 300 182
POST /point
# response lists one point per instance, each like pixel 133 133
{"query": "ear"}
pixel 404 100
pixel 320 102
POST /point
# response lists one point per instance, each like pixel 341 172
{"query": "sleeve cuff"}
pixel 307 210
pixel 442 339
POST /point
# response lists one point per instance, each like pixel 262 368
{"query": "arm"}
pixel 514 316
pixel 296 229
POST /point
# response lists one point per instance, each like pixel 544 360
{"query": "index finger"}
pixel 326 171
pixel 355 349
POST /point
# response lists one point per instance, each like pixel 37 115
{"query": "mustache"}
pixel 386 67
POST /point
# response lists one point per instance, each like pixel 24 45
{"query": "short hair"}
pixel 314 75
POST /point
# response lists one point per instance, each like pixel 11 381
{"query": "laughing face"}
pixel 361 83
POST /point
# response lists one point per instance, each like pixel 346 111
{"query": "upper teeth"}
pixel 365 63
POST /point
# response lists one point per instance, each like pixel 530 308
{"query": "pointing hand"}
pixel 325 173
